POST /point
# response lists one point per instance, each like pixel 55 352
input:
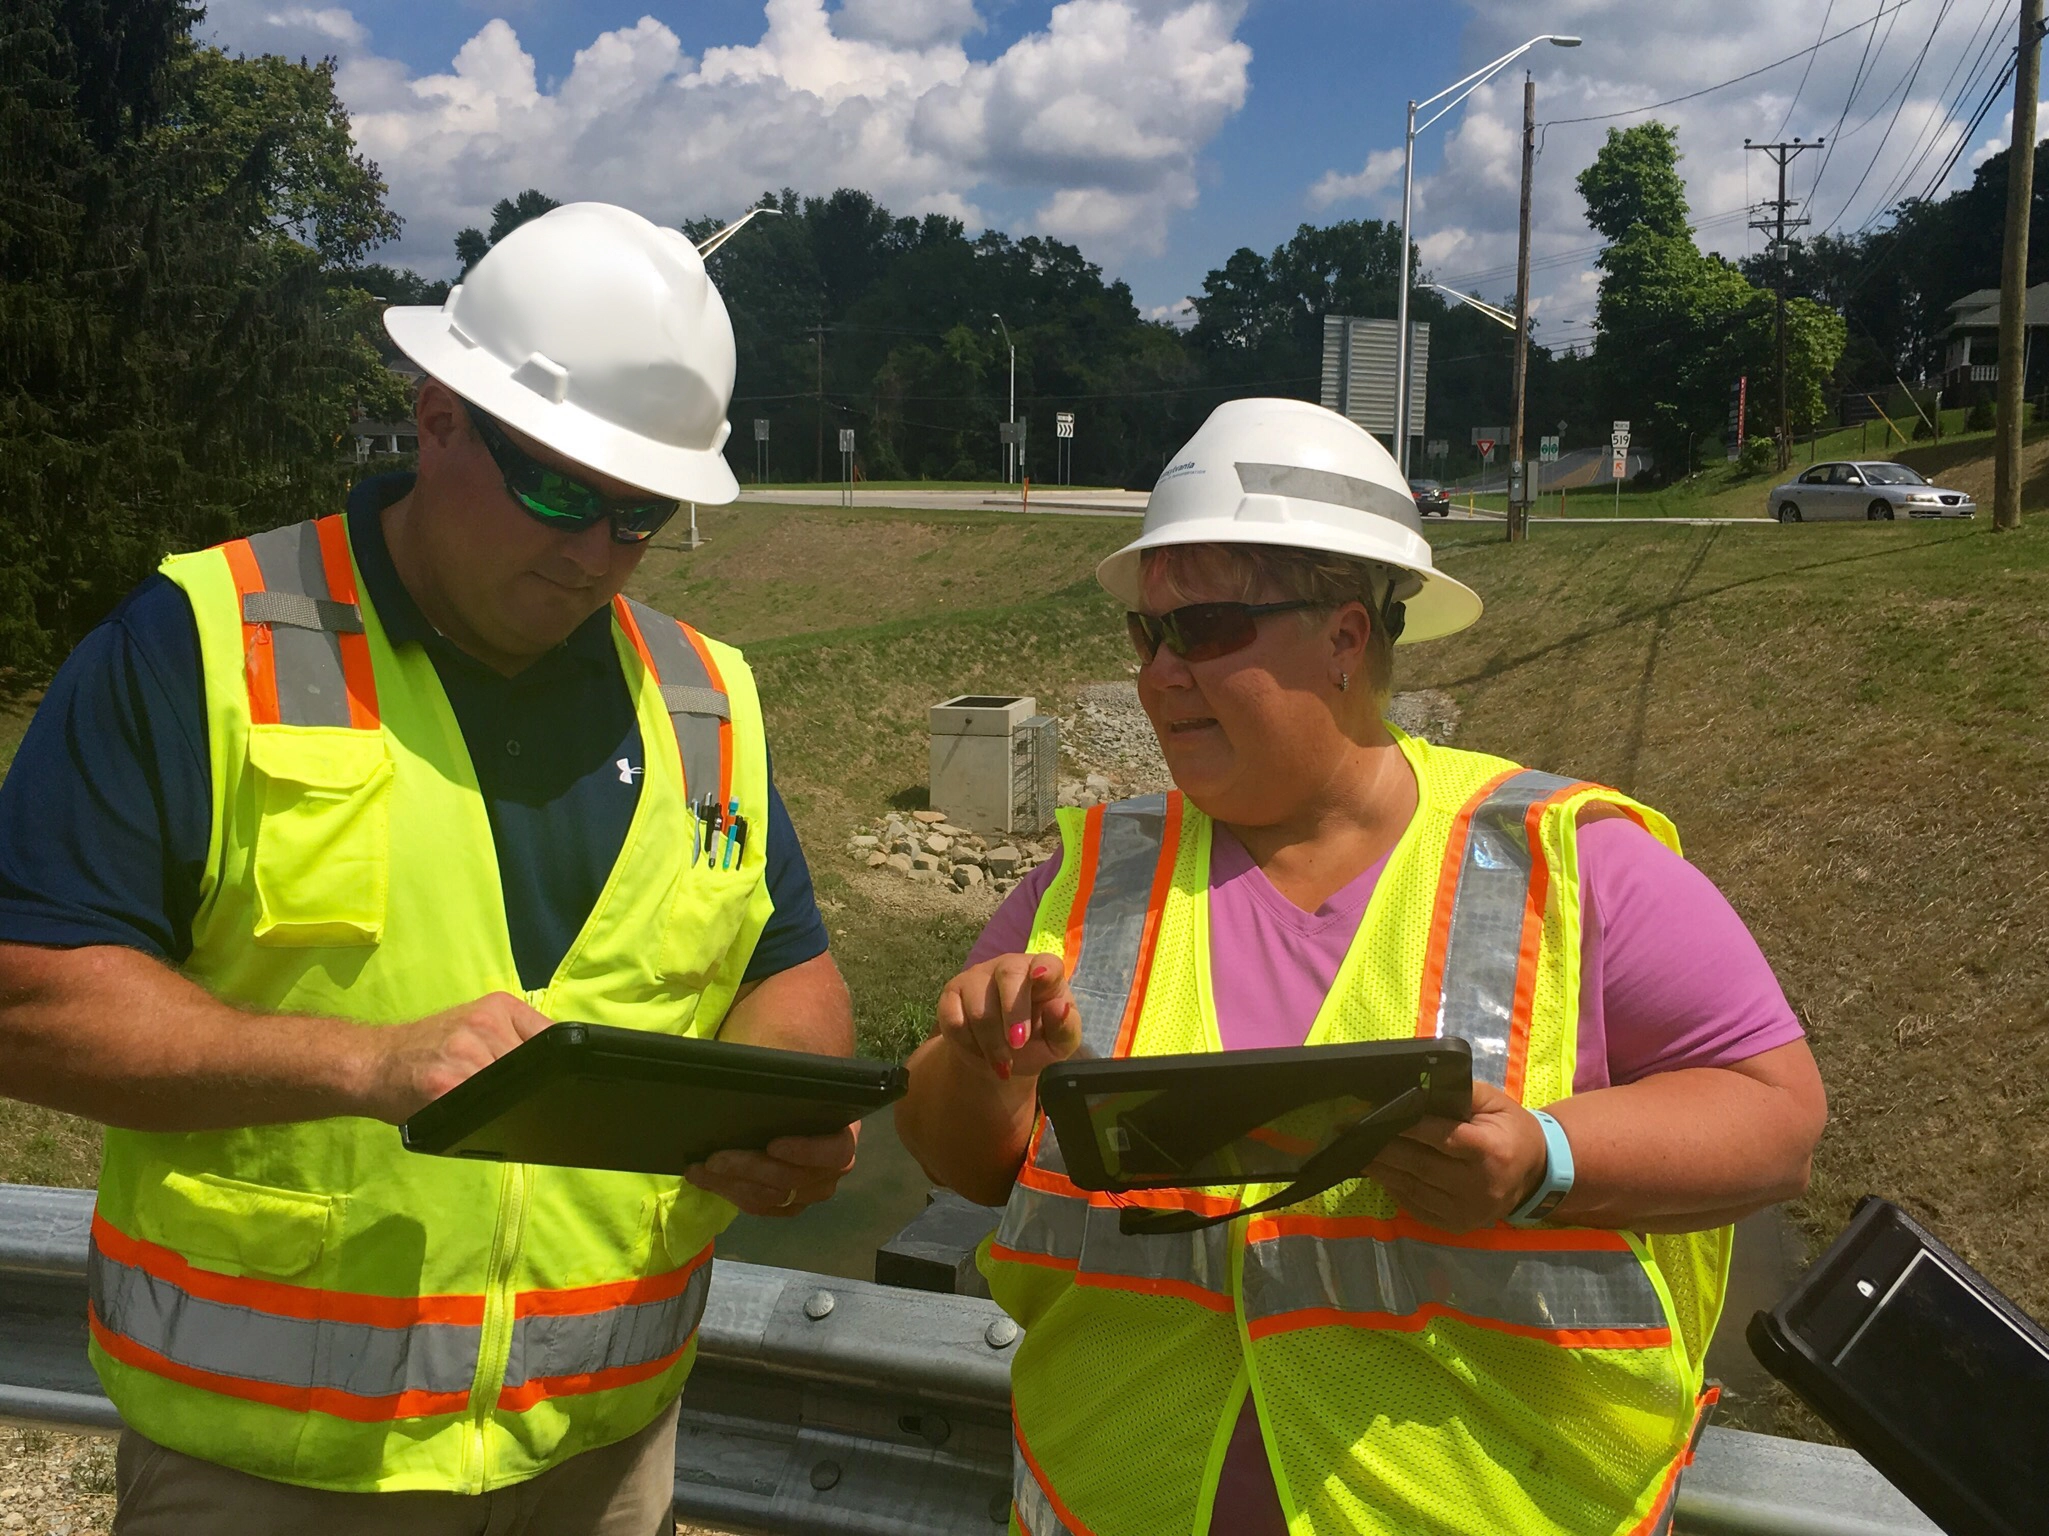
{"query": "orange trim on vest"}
pixel 1532 940
pixel 576 1301
pixel 1669 1489
pixel 1043 1260
pixel 1387 1229
pixel 526 1395
pixel 1067 1516
pixel 711 672
pixel 328 1400
pixel 624 614
pixel 281 1298
pixel 1084 884
pixel 1432 995
pixel 1173 1290
pixel 1429 1312
pixel 259 661
pixel 358 675
pixel 1155 905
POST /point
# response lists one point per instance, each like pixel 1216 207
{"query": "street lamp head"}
pixel 1563 40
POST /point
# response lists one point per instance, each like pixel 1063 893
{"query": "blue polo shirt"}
pixel 106 811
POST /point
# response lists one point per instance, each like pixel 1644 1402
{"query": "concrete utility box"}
pixel 995 763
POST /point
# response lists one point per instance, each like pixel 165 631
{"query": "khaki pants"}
pixel 625 1489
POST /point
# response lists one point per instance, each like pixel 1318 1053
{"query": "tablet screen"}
pixel 1154 1134
pixel 1954 1379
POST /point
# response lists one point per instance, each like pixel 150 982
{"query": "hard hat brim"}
pixel 662 469
pixel 1442 607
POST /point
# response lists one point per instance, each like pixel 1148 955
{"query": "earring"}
pixel 1344 681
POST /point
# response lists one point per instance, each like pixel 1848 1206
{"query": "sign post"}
pixel 1063 435
pixel 1618 443
pixel 846 466
pixel 760 449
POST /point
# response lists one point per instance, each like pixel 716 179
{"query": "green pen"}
pixel 732 832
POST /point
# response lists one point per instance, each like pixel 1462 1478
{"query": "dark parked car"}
pixel 1432 499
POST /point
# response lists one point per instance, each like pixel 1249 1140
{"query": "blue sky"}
pixel 1158 135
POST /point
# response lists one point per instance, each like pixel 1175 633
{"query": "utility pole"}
pixel 2013 275
pixel 1775 223
pixel 1519 512
pixel 818 335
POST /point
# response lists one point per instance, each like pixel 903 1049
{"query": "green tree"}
pixel 507 214
pixel 183 353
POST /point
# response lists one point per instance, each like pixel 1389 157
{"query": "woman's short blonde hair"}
pixel 1270 573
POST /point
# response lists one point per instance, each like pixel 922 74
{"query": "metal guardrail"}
pixel 829 1407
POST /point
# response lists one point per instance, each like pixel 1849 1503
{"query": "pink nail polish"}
pixel 1003 1071
pixel 1020 1032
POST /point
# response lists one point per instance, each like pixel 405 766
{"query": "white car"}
pixel 1877 490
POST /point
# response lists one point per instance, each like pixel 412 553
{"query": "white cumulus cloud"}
pixel 1091 129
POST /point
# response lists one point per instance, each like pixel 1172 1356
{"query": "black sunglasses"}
pixel 1203 631
pixel 562 501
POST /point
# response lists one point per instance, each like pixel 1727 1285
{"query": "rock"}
pixel 926 876
pixel 1004 861
pixel 877 860
pixel 973 856
pixel 966 876
pixel 863 843
pixel 929 818
pixel 1001 887
pixel 904 845
pixel 899 862
pixel 1097 785
pixel 937 844
pixel 924 861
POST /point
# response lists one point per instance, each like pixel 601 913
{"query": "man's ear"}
pixel 1351 627
pixel 438 413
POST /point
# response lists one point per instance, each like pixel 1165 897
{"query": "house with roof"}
pixel 1971 353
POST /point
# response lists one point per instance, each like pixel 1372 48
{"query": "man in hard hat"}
pixel 1499 1328
pixel 324 820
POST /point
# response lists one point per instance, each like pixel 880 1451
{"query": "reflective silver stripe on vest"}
pixel 1579 1289
pixel 361 1359
pixel 1196 1260
pixel 1037 1221
pixel 695 707
pixel 583 1343
pixel 1485 940
pixel 1113 923
pixel 311 686
pixel 1034 1510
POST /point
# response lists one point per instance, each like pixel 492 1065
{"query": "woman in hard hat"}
pixel 1500 1326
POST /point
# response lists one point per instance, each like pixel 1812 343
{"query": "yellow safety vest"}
pixel 1407 1380
pixel 309 1302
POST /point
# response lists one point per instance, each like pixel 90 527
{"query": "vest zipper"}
pixel 494 1350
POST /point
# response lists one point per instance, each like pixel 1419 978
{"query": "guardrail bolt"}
pixel 1001 1334
pixel 824 1475
pixel 999 1509
pixel 818 1306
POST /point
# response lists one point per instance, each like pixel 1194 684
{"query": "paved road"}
pixel 1051 499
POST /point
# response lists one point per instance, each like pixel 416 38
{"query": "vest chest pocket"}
pixel 322 866
pixel 707 910
pixel 236 1228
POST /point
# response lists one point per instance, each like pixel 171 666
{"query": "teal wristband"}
pixel 1556 1184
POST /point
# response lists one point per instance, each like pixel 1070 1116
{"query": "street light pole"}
pixel 1010 448
pixel 1519 514
pixel 1463 88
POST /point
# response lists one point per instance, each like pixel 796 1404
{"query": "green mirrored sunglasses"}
pixel 563 502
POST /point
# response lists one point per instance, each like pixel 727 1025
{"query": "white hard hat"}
pixel 600 334
pixel 1292 474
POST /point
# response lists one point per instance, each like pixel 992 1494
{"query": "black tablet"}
pixel 1914 1359
pixel 1241 1117
pixel 591 1096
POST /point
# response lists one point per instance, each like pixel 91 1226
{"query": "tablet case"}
pixel 592 1096
pixel 1780 1340
pixel 1189 1107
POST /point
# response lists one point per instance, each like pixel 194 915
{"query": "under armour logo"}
pixel 626 771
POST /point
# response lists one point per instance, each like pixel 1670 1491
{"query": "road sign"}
pixel 761 429
pixel 1621 467
pixel 846 439
pixel 1486 447
pixel 1438 448
pixel 1496 434
pixel 1620 429
pixel 1547 450
pixel 1063 423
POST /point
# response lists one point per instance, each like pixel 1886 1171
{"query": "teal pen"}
pixel 732 832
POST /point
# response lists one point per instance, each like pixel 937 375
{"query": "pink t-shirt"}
pixel 1669 978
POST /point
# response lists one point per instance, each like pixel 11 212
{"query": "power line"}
pixel 1983 38
pixel 1906 91
pixel 1856 84
pixel 1752 74
pixel 1820 32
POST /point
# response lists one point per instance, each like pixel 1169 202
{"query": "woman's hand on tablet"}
pixel 795 1173
pixel 1013 1016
